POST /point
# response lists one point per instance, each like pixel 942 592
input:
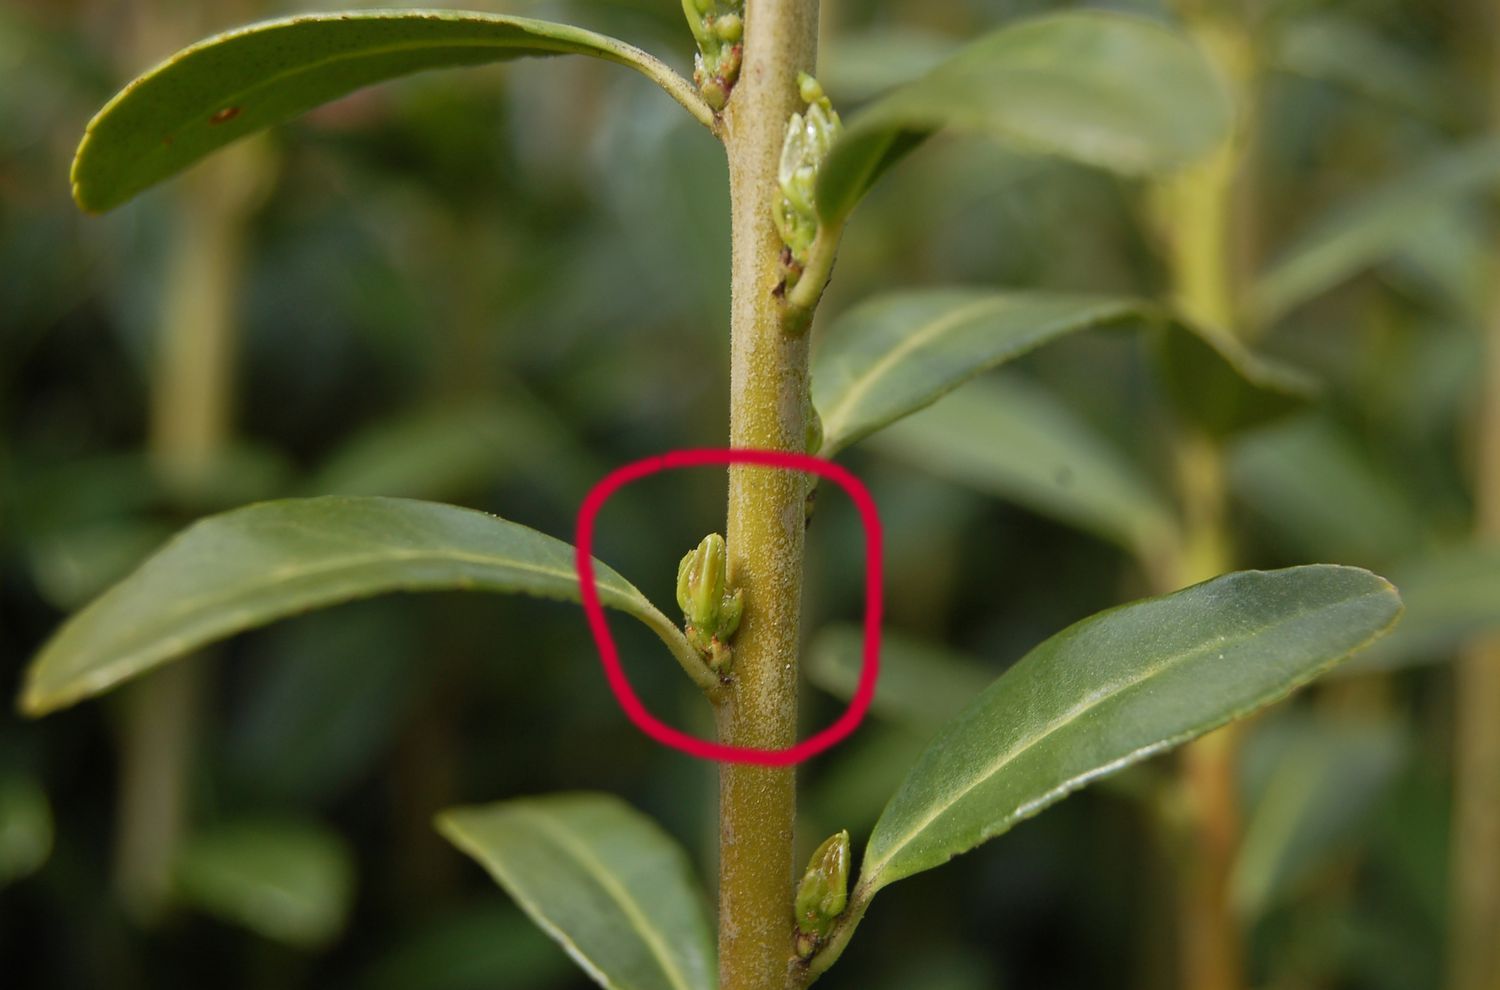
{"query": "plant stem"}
pixel 768 410
pixel 189 423
pixel 1474 894
pixel 1205 210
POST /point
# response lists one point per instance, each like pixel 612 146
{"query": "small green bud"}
pixel 729 28
pixel 712 615
pixel 714 94
pixel 814 429
pixel 809 136
pixel 823 893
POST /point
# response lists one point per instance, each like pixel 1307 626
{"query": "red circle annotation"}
pixel 609 655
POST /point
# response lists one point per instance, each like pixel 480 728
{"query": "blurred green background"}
pixel 492 286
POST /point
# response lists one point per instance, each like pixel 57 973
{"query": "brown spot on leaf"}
pixel 220 116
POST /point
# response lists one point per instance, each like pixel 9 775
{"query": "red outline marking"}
pixel 609 656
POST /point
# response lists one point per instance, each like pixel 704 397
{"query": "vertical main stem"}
pixel 768 410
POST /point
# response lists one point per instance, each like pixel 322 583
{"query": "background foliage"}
pixel 489 287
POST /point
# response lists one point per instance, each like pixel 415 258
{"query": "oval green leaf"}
pixel 1107 89
pixel 288 880
pixel 1115 689
pixel 922 684
pixel 251 566
pixel 1007 437
pixel 240 82
pixel 603 880
pixel 897 353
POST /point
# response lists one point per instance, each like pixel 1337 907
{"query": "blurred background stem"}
pixel 1474 926
pixel 1204 211
pixel 191 391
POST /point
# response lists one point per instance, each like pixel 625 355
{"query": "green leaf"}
pixel 71 566
pixel 921 684
pixel 251 566
pixel 1347 53
pixel 896 353
pixel 322 707
pixel 25 828
pixel 603 880
pixel 855 66
pixel 1115 689
pixel 1321 779
pixel 1223 386
pixel 243 81
pixel 1451 596
pixel 436 453
pixel 1372 227
pixel 291 881
pixel 1106 89
pixel 1321 493
pixel 1007 437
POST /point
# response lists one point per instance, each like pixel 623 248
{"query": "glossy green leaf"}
pixel 291 881
pixel 921 684
pixel 603 880
pixel 1007 437
pixel 26 830
pixel 1320 780
pixel 1115 689
pixel 897 353
pixel 243 81
pixel 1370 228
pixel 1451 596
pixel 252 566
pixel 1107 89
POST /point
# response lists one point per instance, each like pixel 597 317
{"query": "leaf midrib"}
pixel 560 832
pixel 266 82
pixel 609 48
pixel 351 563
pixel 1077 712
